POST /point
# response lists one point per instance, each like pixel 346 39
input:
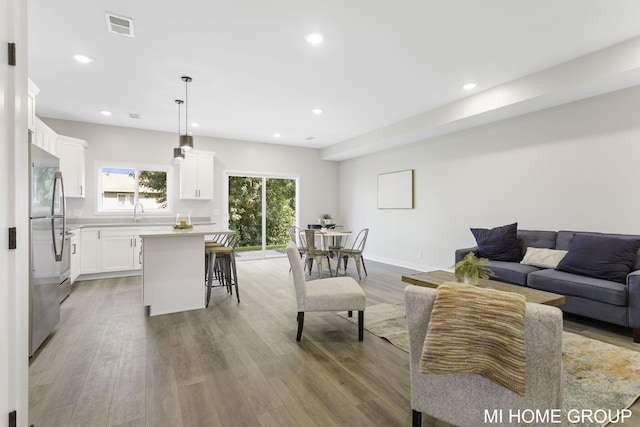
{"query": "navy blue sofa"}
pixel 613 302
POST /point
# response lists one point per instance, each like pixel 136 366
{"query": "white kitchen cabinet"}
pixel 137 254
pixel 72 154
pixel 75 255
pixel 32 92
pixel 119 249
pixel 110 249
pixel 91 253
pixel 44 137
pixel 196 175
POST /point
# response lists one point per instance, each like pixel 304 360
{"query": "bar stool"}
pixel 218 240
pixel 221 261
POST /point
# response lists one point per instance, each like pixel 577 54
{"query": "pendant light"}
pixel 178 153
pixel 186 140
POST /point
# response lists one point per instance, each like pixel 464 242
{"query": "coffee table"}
pixel 433 279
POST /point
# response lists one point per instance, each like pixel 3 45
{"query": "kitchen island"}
pixel 173 268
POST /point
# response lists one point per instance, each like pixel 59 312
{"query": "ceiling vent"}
pixel 119 24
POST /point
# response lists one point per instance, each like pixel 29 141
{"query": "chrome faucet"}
pixel 135 211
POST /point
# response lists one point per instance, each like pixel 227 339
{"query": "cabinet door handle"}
pixel 81 189
pixel 135 242
pixel 99 232
pixel 140 257
pixel 74 249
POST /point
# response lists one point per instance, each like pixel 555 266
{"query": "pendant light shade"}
pixel 178 155
pixel 186 142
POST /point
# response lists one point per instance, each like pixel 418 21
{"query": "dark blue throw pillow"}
pixel 601 257
pixel 498 244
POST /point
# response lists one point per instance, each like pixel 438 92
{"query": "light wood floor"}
pixel 108 364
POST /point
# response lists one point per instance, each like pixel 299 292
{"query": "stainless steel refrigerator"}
pixel 47 234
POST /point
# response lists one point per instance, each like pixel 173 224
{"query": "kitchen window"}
pixel 121 186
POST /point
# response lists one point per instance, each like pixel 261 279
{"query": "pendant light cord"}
pixel 186 107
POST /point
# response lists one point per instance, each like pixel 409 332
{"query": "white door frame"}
pixel 14 193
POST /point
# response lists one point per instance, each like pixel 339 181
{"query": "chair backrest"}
pixel 233 239
pixel 302 239
pixel 293 233
pixel 297 269
pixel 361 240
pixel 432 393
pixel 310 242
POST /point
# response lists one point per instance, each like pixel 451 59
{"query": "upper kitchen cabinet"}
pixel 44 137
pixel 72 152
pixel 196 175
pixel 32 92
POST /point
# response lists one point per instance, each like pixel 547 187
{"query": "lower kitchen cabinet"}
pixel 91 254
pixel 110 249
pixel 75 255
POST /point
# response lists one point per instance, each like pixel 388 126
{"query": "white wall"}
pixel 318 179
pixel 573 167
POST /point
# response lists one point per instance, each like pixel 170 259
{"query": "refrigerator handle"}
pixel 58 198
pixel 58 178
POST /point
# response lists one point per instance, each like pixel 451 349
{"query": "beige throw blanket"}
pixel 477 331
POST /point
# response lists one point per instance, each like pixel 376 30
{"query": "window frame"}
pixel 137 167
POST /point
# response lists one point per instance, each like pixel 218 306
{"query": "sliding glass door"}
pixel 261 209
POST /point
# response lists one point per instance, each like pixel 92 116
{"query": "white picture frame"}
pixel 395 190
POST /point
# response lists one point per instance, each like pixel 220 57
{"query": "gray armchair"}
pixel 468 399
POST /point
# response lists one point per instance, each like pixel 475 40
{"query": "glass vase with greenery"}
pixel 471 268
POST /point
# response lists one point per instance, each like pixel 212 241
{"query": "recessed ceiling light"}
pixel 195 125
pixel 105 113
pixel 469 86
pixel 276 135
pixel 314 38
pixel 82 58
pixel 317 111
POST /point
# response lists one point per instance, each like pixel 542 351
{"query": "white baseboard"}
pixel 403 263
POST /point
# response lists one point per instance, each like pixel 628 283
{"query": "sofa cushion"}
pixel 536 239
pixel 511 272
pixel 543 257
pixel 499 244
pixel 564 238
pixel 569 284
pixel 600 256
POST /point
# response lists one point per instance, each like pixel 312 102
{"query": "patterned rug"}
pixel 597 376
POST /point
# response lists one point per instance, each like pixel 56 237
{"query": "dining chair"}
pixel 355 252
pixel 330 294
pixel 312 253
pixel 294 234
pixel 337 242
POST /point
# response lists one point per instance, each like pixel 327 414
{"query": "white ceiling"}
pixel 254 74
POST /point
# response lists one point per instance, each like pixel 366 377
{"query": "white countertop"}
pixel 169 231
pixel 145 224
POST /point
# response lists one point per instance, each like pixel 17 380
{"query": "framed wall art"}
pixel 395 190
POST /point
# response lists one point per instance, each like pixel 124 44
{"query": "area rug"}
pixel 597 376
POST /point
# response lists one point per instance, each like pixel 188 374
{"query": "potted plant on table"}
pixel 471 268
pixel 326 219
